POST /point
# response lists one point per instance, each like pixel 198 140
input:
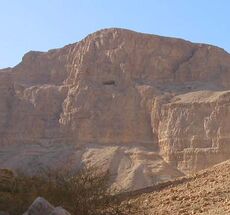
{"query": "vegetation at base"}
pixel 84 193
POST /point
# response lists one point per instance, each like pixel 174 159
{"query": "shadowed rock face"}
pixel 149 108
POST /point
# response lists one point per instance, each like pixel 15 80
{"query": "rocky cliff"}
pixel 147 108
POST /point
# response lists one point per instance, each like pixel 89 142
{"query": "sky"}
pixel 41 25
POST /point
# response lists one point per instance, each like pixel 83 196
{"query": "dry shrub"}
pixel 84 193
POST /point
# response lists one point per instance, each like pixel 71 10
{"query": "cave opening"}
pixel 110 82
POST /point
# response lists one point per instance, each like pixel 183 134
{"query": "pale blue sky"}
pixel 45 24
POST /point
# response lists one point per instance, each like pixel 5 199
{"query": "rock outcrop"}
pixel 7 179
pixel 148 108
pixel 42 207
pixel 193 131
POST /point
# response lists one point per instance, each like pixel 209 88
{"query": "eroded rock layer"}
pixel 148 108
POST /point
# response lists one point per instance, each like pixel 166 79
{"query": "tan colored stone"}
pixel 147 108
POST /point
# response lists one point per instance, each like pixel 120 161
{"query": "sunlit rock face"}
pixel 147 108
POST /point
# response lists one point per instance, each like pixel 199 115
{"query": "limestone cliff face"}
pixel 192 129
pixel 148 108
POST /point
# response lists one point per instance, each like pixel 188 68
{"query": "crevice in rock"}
pixel 186 60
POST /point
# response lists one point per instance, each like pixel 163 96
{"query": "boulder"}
pixel 59 211
pixel 40 207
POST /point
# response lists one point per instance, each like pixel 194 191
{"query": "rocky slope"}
pixel 147 108
pixel 207 193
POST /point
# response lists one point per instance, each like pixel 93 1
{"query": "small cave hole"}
pixel 110 82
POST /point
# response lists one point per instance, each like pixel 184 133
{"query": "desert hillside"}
pixel 147 108
pixel 207 193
